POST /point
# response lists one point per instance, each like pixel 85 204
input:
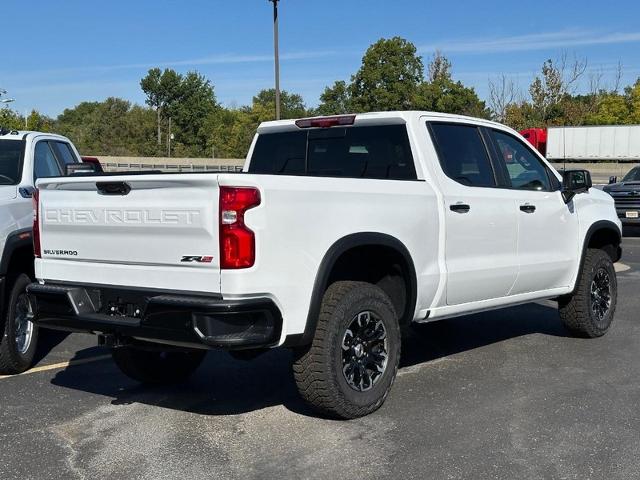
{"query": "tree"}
pixel 389 77
pixel 557 81
pixel 111 127
pixel 162 89
pixel 10 119
pixel 439 69
pixel 442 94
pixel 335 100
pixel 632 95
pixel 291 104
pixel 520 115
pixel 612 109
pixel 502 94
pixel 39 122
pixel 193 102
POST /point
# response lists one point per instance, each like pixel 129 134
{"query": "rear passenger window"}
pixel 463 155
pixel 64 152
pixel 45 164
pixel 381 152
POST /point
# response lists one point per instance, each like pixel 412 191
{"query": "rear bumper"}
pixel 162 317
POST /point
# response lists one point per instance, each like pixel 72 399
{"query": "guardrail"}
pixel 172 167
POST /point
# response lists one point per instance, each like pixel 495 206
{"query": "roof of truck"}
pixel 375 117
pixel 23 134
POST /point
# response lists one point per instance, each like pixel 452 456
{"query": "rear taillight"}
pixel 237 241
pixel 36 223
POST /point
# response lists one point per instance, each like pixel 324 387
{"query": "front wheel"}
pixel 589 311
pixel 157 367
pixel 20 336
pixel 348 370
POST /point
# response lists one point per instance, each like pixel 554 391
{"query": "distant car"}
pixel 24 157
pixel 626 194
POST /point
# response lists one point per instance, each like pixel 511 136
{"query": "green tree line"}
pixel 182 109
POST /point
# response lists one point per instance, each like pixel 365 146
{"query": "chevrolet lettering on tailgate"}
pixel 110 216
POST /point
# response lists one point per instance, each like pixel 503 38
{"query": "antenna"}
pixel 564 149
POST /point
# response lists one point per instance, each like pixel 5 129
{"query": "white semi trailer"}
pixel 594 143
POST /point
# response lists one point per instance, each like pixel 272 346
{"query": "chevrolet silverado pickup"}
pixel 338 232
pixel 24 157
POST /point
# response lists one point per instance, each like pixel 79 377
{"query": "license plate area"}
pixel 631 214
pixel 123 304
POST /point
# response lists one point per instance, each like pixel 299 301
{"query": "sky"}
pixel 55 54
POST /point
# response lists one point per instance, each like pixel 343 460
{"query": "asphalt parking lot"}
pixel 505 394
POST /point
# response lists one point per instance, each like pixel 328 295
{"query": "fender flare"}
pixel 595 227
pixel 328 262
pixel 15 240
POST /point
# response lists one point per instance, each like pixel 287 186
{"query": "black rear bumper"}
pixel 189 320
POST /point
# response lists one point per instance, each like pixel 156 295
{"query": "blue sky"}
pixel 58 53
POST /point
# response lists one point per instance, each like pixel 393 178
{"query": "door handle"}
pixel 113 188
pixel 460 207
pixel 527 208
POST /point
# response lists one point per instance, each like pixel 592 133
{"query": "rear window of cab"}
pixel 379 152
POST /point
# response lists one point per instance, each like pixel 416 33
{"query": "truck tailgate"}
pixel 153 230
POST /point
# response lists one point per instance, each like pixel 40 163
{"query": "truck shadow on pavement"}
pixel 226 386
pixel 47 341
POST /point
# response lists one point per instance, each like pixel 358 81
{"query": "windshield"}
pixel 633 175
pixel 11 154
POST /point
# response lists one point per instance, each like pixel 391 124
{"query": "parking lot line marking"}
pixel 621 267
pixel 55 366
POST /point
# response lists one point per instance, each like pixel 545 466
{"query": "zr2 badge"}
pixel 197 258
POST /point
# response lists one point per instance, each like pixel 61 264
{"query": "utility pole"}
pixel 276 56
pixel 169 137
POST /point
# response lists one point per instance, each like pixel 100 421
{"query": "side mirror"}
pixel 574 182
pixel 26 192
pixel 613 180
pixel 81 168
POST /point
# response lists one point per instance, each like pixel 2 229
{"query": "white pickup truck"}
pixel 339 231
pixel 24 157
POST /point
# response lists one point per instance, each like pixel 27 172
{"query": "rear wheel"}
pixel 589 311
pixel 20 336
pixel 349 368
pixel 157 367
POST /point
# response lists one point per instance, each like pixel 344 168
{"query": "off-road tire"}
pixel 318 369
pixel 576 310
pixel 12 361
pixel 157 367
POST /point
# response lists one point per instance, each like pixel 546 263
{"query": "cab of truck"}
pixel 536 137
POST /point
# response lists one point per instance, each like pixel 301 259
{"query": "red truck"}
pixel 536 137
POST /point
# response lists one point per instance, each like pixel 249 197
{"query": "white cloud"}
pixel 529 42
pixel 209 60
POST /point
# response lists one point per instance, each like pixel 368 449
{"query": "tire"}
pixel 157 367
pixel 587 314
pixel 324 370
pixel 20 336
